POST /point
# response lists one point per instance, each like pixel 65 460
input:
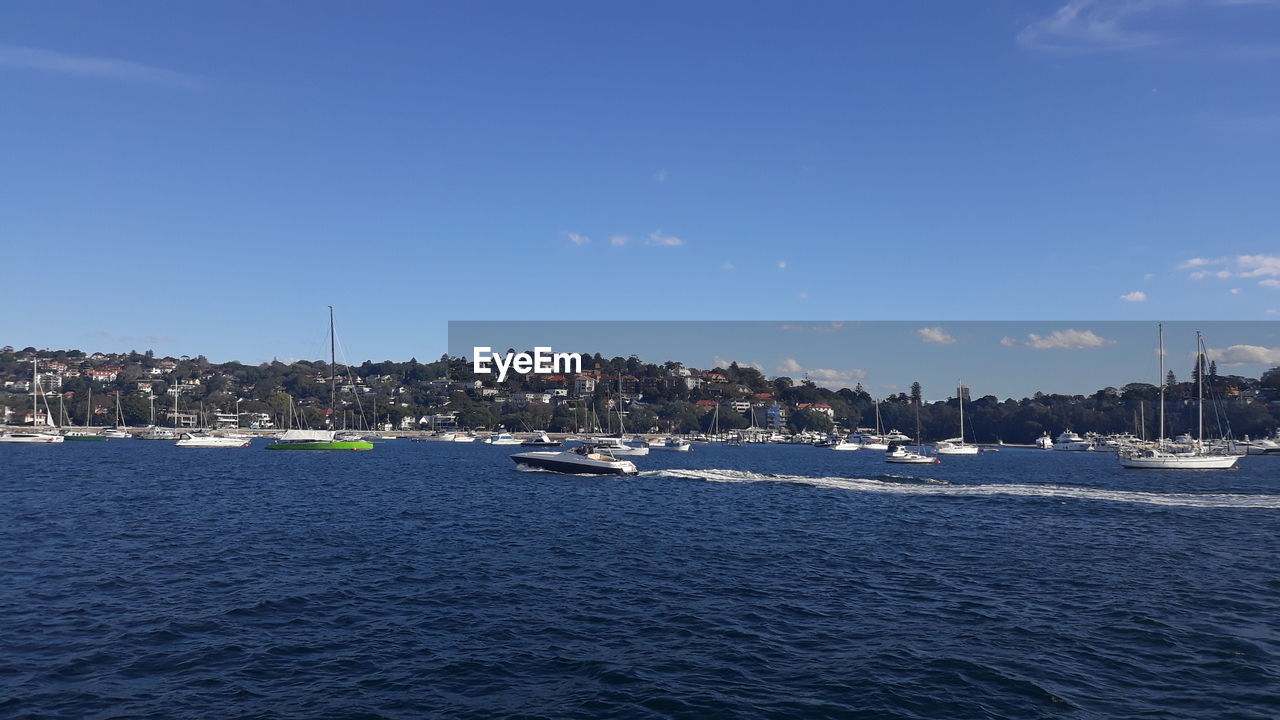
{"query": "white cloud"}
pixel 618 240
pixel 789 365
pixel 727 265
pixel 657 237
pixel 660 176
pixel 1242 266
pixel 722 362
pixel 1089 26
pixel 1258 265
pixel 1008 341
pixel 578 238
pixel 782 264
pixel 829 378
pixel 935 335
pixel 1135 296
pixel 1066 340
pixel 1245 355
pixel 85 65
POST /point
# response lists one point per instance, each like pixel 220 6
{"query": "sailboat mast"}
pixel 1199 392
pixel 960 392
pixel 35 388
pixel 88 416
pixel 1160 437
pixel 333 371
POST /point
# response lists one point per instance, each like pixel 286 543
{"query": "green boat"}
pixel 321 439
pixel 316 440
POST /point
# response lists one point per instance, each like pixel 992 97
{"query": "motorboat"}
pixel 157 433
pixel 583 460
pixel 207 440
pixel 542 440
pixel 1044 442
pixel 1261 446
pixel 898 453
pixel 116 434
pixel 677 444
pixel 617 447
pixel 502 438
pixel 844 444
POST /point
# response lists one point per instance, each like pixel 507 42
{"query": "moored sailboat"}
pixel 322 439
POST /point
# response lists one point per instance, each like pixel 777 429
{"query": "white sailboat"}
pixel 35 436
pixel 1169 456
pixel 957 445
pixel 898 453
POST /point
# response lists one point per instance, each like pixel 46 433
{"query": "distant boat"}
pixel 1072 442
pixel 675 444
pixel 957 445
pixel 34 435
pixel 1188 454
pixel 502 438
pixel 156 433
pixel 1044 442
pixel 207 440
pixel 322 439
pixel 617 447
pixel 543 440
pixel 898 453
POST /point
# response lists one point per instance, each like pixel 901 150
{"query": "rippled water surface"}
pixel 433 580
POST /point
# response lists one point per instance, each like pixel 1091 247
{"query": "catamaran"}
pixel 322 439
pixel 1164 455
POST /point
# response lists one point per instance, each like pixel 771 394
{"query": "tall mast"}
pixel 35 388
pixel 1199 392
pixel 1160 437
pixel 88 411
pixel 333 371
pixel 960 392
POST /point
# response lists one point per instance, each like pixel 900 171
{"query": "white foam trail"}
pixel 927 486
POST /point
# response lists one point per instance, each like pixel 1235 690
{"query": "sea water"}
pixel 434 580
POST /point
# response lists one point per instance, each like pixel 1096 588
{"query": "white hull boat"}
pixel 31 437
pixel 199 440
pixel 899 454
pixel 584 460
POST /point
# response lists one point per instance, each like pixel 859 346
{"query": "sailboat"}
pixel 1170 456
pixel 322 439
pixel 86 433
pixel 957 445
pixel 35 436
pixel 898 453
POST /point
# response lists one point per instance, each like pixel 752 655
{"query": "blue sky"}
pixel 207 178
pixel 1002 358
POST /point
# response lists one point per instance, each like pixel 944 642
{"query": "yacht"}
pixel 1071 441
pixel 677 444
pixel 584 460
pixel 1044 442
pixel 898 453
pixel 844 444
pixel 156 433
pixel 1187 453
pixel 207 440
pixel 1261 446
pixel 542 440
pixel 24 436
pixel 957 445
pixel 502 438
pixel 618 448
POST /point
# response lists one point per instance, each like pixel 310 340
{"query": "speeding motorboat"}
pixel 584 460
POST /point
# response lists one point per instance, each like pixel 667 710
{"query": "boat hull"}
pixel 31 439
pixel 85 438
pixel 1180 462
pixel 556 462
pixel 336 445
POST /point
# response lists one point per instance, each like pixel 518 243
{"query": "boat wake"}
pixel 903 485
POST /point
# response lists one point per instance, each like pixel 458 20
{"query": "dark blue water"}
pixel 433 580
